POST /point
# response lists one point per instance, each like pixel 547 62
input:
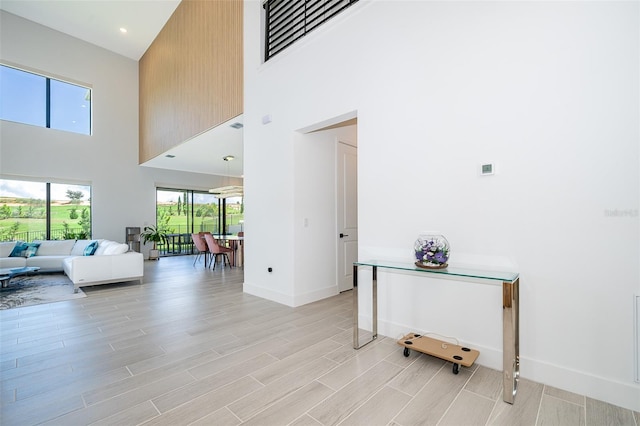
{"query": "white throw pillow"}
pixel 116 248
pixel 102 246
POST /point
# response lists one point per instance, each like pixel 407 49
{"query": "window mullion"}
pixel 48 101
pixel 48 211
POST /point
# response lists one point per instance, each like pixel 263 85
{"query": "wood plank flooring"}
pixel 188 347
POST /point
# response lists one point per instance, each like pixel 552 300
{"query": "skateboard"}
pixel 458 355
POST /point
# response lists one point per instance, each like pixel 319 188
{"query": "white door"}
pixel 347 205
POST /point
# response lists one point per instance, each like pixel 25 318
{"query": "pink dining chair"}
pixel 217 250
pixel 201 246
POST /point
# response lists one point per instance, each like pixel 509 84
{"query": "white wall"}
pixel 548 91
pixel 123 193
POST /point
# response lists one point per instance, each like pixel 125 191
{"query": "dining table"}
pixel 234 242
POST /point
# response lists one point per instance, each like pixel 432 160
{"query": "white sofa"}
pixel 111 262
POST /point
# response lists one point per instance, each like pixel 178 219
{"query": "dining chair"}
pixel 201 246
pixel 217 250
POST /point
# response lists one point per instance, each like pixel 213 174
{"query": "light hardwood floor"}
pixel 188 347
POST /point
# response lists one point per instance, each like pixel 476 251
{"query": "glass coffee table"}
pixel 8 273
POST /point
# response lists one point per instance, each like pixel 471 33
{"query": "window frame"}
pixel 62 230
pixel 188 200
pixel 48 111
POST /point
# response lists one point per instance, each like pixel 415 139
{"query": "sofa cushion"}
pixel 31 250
pixel 91 248
pixel 79 246
pixel 46 263
pixel 18 249
pixel 55 247
pixel 6 248
pixel 12 262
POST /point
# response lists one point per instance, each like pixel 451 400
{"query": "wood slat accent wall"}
pixel 191 76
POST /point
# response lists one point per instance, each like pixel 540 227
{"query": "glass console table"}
pixel 510 310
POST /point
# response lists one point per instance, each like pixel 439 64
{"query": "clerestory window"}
pixel 289 20
pixel 38 100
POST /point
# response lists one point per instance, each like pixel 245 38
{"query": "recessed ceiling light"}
pixel 123 30
pixel 228 158
pixel 236 125
pixel 170 156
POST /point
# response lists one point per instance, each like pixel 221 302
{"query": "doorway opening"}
pixel 334 144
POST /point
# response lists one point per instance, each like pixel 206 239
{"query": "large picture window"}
pixel 181 212
pixel 37 100
pixel 44 211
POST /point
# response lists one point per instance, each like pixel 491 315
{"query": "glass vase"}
pixel 432 251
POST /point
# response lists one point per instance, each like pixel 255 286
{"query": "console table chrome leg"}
pixel 374 309
pixel 374 314
pixel 510 339
pixel 356 343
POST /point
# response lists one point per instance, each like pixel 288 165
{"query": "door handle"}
pixel 343 235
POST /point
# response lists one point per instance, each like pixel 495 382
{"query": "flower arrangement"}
pixel 432 251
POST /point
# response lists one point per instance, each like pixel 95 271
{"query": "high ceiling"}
pixel 99 22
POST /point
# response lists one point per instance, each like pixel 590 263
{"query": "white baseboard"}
pixel 267 294
pixel 626 395
pixel 298 300
pixel 314 296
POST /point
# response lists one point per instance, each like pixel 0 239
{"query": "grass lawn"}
pixel 33 228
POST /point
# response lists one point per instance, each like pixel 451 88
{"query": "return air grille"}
pixel 290 20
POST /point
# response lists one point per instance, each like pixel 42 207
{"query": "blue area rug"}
pixel 37 289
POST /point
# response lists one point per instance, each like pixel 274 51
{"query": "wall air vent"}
pixel 289 20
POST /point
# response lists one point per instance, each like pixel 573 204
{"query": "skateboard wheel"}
pixel 408 342
pixel 465 349
pixel 416 335
pixel 458 357
pixel 406 352
pixel 455 368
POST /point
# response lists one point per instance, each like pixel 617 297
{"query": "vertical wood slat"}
pixel 191 76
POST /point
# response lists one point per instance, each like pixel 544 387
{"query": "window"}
pixel 44 211
pixel 289 20
pixel 181 212
pixel 234 215
pixel 42 101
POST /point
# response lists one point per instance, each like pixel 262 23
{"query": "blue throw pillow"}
pixel 31 250
pixel 19 249
pixel 91 248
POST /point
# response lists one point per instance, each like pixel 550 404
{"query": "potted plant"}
pixel 156 235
